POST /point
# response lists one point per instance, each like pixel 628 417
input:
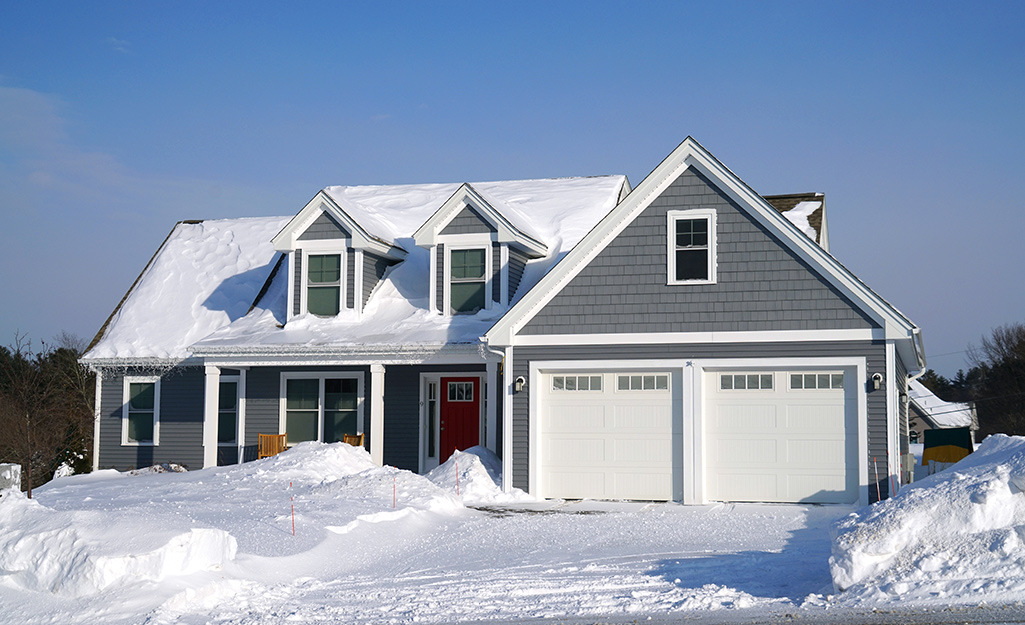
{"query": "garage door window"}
pixel 643 382
pixel 745 381
pixel 816 381
pixel 576 383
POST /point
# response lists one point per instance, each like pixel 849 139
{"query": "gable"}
pixel 761 285
pixel 324 227
pixel 468 221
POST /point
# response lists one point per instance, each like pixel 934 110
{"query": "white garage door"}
pixel 607 436
pixel 781 436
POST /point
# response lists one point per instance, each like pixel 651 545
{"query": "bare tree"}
pixel 999 364
pixel 45 413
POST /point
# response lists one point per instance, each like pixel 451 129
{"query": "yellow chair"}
pixel 356 440
pixel 270 445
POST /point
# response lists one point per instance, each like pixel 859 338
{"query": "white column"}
pixel 241 413
pixel 97 411
pixel 433 280
pixel 491 418
pixel 377 414
pixel 213 383
pixel 504 271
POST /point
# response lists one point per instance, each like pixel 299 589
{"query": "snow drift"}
pixel 951 535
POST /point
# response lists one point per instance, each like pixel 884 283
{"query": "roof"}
pixel 205 275
pixel 201 287
pixel 941 414
pixel 807 211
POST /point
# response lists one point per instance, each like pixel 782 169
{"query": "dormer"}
pixel 478 248
pixel 333 262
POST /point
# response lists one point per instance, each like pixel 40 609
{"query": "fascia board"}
pixel 691 154
pixel 287 239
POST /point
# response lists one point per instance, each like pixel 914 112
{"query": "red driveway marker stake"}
pixel 293 510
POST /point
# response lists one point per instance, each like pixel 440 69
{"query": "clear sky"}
pixel 118 119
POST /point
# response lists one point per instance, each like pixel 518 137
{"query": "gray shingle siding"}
pixel 373 271
pixel 324 228
pixel 350 278
pixel 439 277
pixel 761 285
pixel 297 280
pixel 873 351
pixel 181 421
pixel 517 262
pixel 468 221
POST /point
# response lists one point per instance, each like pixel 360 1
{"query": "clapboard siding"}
pixel 374 268
pixel 517 263
pixel 468 221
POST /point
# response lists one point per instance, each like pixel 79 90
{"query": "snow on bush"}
pixel 951 535
pixel 475 476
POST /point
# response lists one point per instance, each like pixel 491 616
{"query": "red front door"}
pixel 460 415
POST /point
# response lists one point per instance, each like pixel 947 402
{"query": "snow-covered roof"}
pixel 806 211
pixel 200 287
pixel 943 414
pixel 204 276
pixel 561 211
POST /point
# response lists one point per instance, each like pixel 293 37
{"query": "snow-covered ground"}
pixel 379 545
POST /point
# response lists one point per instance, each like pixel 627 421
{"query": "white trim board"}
pixel 694 338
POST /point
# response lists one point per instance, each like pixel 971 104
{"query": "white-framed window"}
pixel 820 381
pixel 460 391
pixel 745 381
pixel 140 411
pixel 642 382
pixel 322 277
pixel 576 383
pixel 690 246
pixel 320 406
pixel 227 411
pixel 468 279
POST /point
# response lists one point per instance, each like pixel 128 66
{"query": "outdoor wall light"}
pixel 877 381
pixel 519 383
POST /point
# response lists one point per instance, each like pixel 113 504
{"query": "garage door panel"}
pixel 747 486
pixel 740 452
pixel 641 485
pixel 643 451
pixel 576 418
pixel 641 417
pixel 563 451
pixel 574 484
pixel 816 418
pixel 815 452
pixel 745 418
pixel 819 488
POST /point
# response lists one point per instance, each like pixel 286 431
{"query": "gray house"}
pixel 687 339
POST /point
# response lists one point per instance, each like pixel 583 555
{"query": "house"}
pixel 686 339
pixel 926 411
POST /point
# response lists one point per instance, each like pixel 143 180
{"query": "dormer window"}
pixel 468 280
pixel 324 284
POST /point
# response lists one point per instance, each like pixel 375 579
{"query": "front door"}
pixel 460 415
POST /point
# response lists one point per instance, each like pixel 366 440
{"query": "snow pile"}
pixel 948 537
pixel 799 215
pixel 43 550
pixel 475 475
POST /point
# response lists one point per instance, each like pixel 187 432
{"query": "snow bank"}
pixel 949 536
pixel 475 476
pixel 43 550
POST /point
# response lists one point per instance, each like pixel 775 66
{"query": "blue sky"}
pixel 118 119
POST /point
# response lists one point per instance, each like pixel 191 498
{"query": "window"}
pixel 467 280
pixel 227 412
pixel 576 383
pixel 691 247
pixel 140 412
pixel 745 381
pixel 816 381
pixel 321 407
pixel 643 382
pixel 323 284
pixel 460 391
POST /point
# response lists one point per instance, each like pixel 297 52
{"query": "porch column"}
pixel 213 384
pixel 377 414
pixel 241 406
pixel 491 418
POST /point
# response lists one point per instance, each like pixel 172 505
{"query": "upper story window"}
pixel 324 284
pixel 468 280
pixel 140 411
pixel 691 247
